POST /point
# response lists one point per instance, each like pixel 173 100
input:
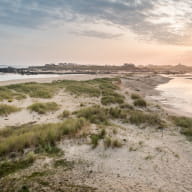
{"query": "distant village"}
pixel 72 68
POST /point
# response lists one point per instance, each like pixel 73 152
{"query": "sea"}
pixel 14 76
pixel 177 94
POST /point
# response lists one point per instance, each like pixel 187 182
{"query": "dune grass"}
pixel 94 114
pixel 43 108
pixel 139 117
pixel 36 90
pixel 7 94
pixel 101 115
pixel 114 98
pixel 16 139
pixel 91 88
pixel 7 109
pixel 185 123
pixel 117 113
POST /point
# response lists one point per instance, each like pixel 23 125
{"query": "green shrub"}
pixel 7 109
pixel 43 108
pixel 140 103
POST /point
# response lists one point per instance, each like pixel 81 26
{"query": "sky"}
pixel 112 32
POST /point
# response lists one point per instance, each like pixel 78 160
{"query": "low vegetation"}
pixel 37 90
pixel 43 108
pixel 95 114
pixel 63 163
pixel 135 96
pixel 117 113
pixel 65 114
pixel 139 117
pixel 7 94
pixel 92 88
pixel 11 166
pixel 112 99
pixel 140 103
pixel 16 139
pixel 96 137
pixel 7 109
pixel 185 124
pixel 114 143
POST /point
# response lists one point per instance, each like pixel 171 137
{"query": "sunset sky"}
pixel 35 32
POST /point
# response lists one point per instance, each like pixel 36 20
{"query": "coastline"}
pixel 138 153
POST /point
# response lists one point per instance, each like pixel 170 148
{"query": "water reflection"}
pixel 178 94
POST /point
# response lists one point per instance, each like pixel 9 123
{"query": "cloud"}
pixel 168 21
pixel 98 34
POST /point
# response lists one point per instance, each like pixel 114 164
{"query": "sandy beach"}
pixel 148 158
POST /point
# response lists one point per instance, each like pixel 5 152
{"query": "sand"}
pixel 149 160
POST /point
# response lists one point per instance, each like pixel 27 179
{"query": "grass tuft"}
pixel 138 117
pixel 7 109
pixel 43 108
pixel 65 114
pixel 135 96
pixel 140 103
pixel 186 125
pixel 95 114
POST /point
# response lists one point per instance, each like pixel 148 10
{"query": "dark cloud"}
pixel 136 15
